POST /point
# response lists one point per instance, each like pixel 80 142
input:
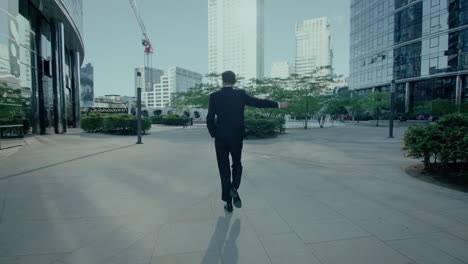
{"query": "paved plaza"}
pixel 330 196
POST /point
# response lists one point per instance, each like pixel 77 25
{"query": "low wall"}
pixel 386 123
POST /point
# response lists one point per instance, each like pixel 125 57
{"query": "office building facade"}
pixel 313 46
pixel 41 51
pixel 176 80
pixel 282 70
pixel 146 78
pixel 236 37
pixel 421 44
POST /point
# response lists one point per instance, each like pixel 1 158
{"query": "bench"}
pixel 11 131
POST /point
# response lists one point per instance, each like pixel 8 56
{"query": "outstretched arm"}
pixel 210 118
pixel 263 103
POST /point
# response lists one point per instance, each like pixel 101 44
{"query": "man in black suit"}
pixel 228 130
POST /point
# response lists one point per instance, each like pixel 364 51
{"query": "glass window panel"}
pixel 434 42
pixel 435 21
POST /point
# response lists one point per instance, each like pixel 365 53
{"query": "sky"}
pixel 178 31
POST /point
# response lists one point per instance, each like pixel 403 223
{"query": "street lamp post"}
pixel 139 108
pixel 392 108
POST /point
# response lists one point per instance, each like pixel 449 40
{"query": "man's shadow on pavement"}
pixel 224 245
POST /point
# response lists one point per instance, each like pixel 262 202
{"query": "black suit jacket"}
pixel 228 105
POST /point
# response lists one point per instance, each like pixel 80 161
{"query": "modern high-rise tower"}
pixel 235 37
pixel 281 69
pixel 420 44
pixel 313 45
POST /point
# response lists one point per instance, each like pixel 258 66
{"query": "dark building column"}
pixel 76 89
pixel 458 91
pixel 407 97
pixel 59 81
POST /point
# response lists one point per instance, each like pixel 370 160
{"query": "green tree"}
pixel 442 107
pixel 306 100
pixel 355 105
pixel 376 102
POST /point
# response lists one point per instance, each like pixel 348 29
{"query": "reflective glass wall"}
pixel 30 93
pixel 19 49
pixel 421 44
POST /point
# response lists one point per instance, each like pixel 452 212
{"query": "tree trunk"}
pixel 427 162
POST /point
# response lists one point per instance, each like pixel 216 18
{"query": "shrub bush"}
pixel 441 107
pixel 257 125
pixel 422 141
pixel 447 140
pixel 172 120
pixel 119 124
pixel 157 119
pixel 92 123
pixel 16 121
pixel 169 120
pixel 454 141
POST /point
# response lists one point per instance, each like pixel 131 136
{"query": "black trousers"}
pixel 224 147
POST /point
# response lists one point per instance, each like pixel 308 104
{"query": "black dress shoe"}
pixel 236 198
pixel 228 207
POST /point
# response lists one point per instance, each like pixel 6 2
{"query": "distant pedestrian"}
pixel 228 106
pixel 184 120
pixel 426 116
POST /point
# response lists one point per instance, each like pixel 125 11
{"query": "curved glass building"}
pixel 421 44
pixel 41 50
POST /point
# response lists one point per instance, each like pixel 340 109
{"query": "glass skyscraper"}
pixel 41 51
pixel 236 37
pixel 421 44
pixel 313 45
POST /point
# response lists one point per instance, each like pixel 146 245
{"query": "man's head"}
pixel 229 78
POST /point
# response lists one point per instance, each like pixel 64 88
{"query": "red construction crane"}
pixel 148 76
pixel 145 42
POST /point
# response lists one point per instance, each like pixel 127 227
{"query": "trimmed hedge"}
pixel 118 124
pixel 169 120
pixel 157 120
pixel 260 126
pixel 17 121
pixel 446 140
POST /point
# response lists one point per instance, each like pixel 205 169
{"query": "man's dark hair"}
pixel 229 77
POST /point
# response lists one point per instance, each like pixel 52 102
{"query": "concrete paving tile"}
pixel 43 237
pixel 287 248
pixel 254 201
pixel 361 250
pixel 244 250
pixel 422 252
pixel 267 221
pixel 138 253
pixel 395 225
pixel 201 257
pixel 202 211
pixel 437 219
pixel 7 260
pixel 450 244
pixel 301 210
pixel 185 237
pixel 39 259
pixel 459 213
pixel 328 230
pixel 321 198
pixel 103 248
pixel 362 213
pixel 460 231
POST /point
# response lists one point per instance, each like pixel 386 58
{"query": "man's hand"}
pixel 284 105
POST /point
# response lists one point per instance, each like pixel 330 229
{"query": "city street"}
pixel 330 196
